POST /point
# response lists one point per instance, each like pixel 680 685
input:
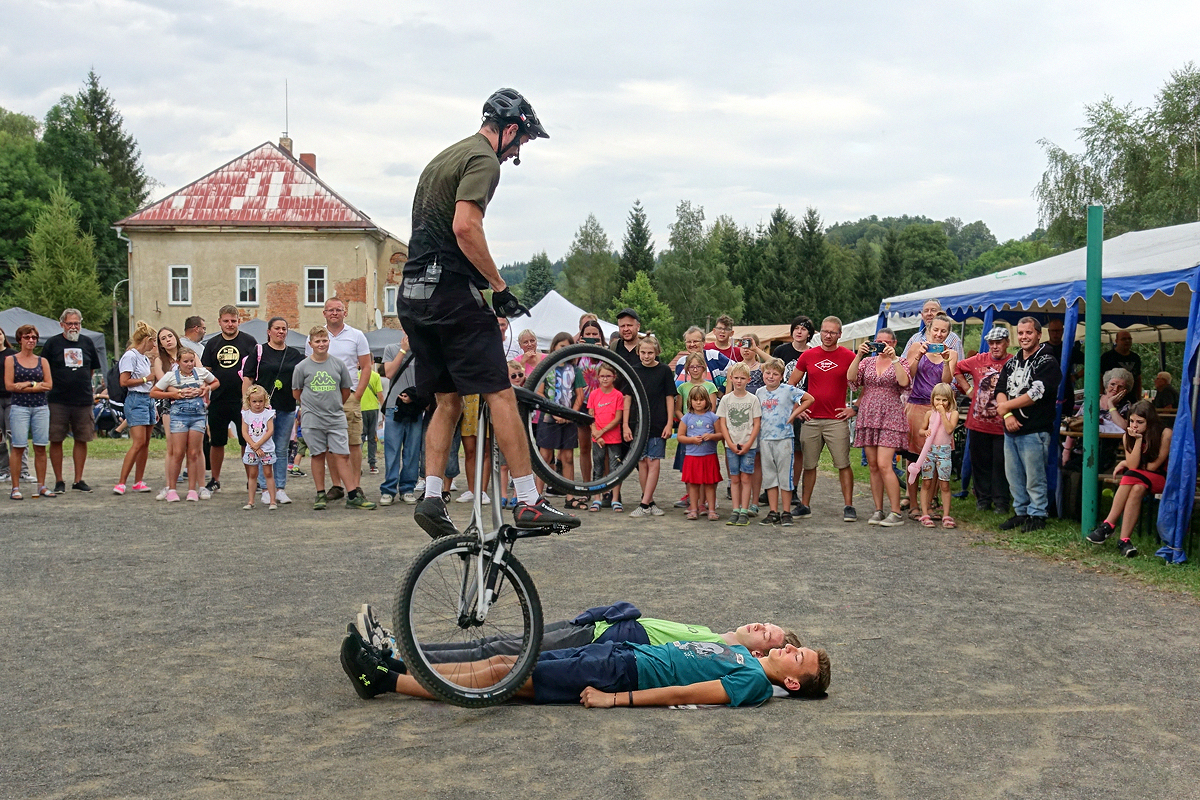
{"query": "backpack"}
pixel 116 392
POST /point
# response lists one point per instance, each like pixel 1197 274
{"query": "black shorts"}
pixel 454 335
pixel 553 435
pixel 560 676
pixel 219 417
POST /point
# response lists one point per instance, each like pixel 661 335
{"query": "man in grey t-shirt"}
pixel 402 413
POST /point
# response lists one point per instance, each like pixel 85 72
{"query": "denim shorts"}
pixel 655 448
pixel 183 423
pixel 24 420
pixel 743 463
pixel 139 409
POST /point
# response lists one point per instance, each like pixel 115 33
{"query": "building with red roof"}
pixel 265 234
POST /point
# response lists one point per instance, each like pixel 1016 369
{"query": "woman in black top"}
pixel 5 401
pixel 270 366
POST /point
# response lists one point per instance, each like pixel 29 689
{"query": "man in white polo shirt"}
pixel 348 345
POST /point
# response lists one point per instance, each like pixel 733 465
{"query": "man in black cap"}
pixel 628 325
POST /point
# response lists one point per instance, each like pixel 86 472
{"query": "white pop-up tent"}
pixel 554 314
pixel 1150 278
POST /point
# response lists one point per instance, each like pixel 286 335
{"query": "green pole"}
pixel 1091 369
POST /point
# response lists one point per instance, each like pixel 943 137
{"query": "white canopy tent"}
pixel 554 314
pixel 865 328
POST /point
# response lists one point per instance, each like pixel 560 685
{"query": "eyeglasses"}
pixel 73 324
pixel 723 330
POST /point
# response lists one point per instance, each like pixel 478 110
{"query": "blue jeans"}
pixel 281 437
pixel 1025 467
pixel 401 454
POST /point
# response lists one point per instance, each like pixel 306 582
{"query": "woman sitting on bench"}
pixel 1147 444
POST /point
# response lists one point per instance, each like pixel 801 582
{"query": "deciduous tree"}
pixel 590 277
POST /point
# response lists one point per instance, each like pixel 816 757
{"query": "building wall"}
pixel 356 262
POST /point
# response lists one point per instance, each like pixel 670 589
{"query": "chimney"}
pixel 285 143
pixel 309 160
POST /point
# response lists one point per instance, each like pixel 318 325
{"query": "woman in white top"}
pixel 136 376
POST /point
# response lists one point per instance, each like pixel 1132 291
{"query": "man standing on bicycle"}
pixel 454 335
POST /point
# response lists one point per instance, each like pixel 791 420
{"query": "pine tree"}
pixel 118 151
pixel 538 280
pixel 62 271
pixel 637 249
pixel 589 279
pixel 655 315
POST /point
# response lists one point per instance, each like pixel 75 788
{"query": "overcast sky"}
pixel 861 108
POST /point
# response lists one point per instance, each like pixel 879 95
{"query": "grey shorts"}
pixel 320 441
pixel 778 460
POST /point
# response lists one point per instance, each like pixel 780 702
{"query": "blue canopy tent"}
pixel 1150 278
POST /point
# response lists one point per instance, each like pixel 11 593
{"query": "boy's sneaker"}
pixel 372 635
pixel 321 502
pixel 360 500
pixel 1127 548
pixel 849 514
pixel 542 514
pixel 60 487
pixel 296 472
pixel 733 517
pixel 876 518
pixel 785 519
pixel 772 518
pixel 335 493
pixel 752 510
pixel 281 497
pixel 1033 524
pixel 142 486
pixel 420 487
pixel 640 512
pixel 213 486
pixel 81 486
pixel 364 667
pixel 892 520
pixel 205 493
pixel 799 510
pixel 655 510
pixel 409 498
pixel 743 518
pixel 1013 522
pixel 1101 534
pixel 374 470
pixel 431 515
pixel 386 499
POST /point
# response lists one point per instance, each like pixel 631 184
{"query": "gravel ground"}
pixel 181 651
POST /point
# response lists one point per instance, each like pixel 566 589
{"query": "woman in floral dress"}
pixel 881 427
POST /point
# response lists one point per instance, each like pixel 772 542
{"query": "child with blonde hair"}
pixel 258 428
pixel 934 461
pixel 701 469
pixel 739 419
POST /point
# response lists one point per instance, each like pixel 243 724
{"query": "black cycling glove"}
pixel 506 305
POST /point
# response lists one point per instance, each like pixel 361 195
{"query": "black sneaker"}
pixel 849 514
pixel 541 514
pixel 335 493
pixel 785 519
pixel 213 486
pixel 799 510
pixel 763 499
pixel 772 518
pixel 606 500
pixel 81 486
pixel 1013 522
pixel 60 487
pixel 1033 524
pixel 431 515
pixel 1101 534
pixel 364 667
pixel 983 505
pixel 1127 548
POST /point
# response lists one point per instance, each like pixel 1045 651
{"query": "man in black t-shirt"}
pixel 1026 397
pixel 1122 356
pixel 72 359
pixel 223 355
pixel 629 325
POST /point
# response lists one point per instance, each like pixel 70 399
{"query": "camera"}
pixel 747 343
pixel 935 348
pixel 875 348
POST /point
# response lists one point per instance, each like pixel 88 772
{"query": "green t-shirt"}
pixel 370 398
pixel 662 631
pixel 466 170
pixel 685 663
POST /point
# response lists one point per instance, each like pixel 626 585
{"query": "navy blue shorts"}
pixel 561 675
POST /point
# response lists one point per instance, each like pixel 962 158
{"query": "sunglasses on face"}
pixel 515 375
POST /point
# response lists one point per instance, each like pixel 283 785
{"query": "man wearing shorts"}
pixel 827 421
pixel 72 359
pixel 453 332
pixel 223 356
pixel 348 345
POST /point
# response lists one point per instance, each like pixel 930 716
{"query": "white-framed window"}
pixel 315 280
pixel 180 278
pixel 389 300
pixel 247 286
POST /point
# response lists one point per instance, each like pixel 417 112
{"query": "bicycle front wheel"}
pixel 437 598
pixel 609 468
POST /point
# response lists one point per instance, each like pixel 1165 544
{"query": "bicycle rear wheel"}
pixel 586 356
pixel 436 596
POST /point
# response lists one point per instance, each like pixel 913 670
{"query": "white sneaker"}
pixel 281 497
pixel 655 510
pixel 485 500
pixel 386 499
pixel 266 498
pixel 465 497
pixel 420 487
pixel 409 498
pixel 453 485
pixel 162 494
pixel 205 494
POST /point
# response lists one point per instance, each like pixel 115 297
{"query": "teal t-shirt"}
pixel 685 663
pixel 662 631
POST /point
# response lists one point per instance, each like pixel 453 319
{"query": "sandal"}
pixel 15 494
pixel 44 492
pixel 914 514
pixel 595 506
pixel 616 506
pixel 927 521
pixel 713 516
pixel 576 503
pixel 692 515
pixel 904 504
pixel 948 522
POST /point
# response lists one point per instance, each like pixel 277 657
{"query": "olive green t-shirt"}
pixel 466 170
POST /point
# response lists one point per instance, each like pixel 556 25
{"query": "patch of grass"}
pixel 116 448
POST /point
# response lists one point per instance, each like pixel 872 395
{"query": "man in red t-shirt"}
pixel 984 422
pixel 827 421
pixel 723 333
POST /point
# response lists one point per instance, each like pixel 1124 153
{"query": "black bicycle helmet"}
pixel 507 106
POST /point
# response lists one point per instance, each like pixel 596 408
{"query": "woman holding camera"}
pixel 881 427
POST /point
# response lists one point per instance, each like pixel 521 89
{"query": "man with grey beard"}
pixel 72 359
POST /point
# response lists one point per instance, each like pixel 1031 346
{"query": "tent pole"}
pixel 1091 369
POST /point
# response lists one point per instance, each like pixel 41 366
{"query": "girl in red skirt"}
pixel 701 469
pixel 1147 444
